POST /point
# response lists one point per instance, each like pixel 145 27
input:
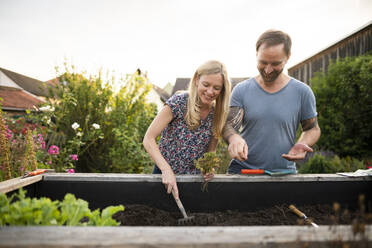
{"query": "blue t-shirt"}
pixel 271 121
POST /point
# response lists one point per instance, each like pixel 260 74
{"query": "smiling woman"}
pixel 189 124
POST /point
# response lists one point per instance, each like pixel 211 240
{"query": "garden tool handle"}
pixel 296 211
pixel 253 171
pixel 180 205
pixel 37 172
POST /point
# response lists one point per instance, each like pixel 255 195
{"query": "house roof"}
pixel 183 83
pixel 162 93
pixel 34 86
pixel 17 99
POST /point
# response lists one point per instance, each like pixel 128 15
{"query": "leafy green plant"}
pixel 344 103
pixel 21 210
pixel 325 164
pixel 207 164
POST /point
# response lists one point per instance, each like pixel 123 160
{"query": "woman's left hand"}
pixel 208 176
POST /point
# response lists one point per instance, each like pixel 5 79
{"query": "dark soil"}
pixel 141 215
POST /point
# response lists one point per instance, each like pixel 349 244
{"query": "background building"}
pixel 357 43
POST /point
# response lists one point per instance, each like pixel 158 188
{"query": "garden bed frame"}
pixel 234 192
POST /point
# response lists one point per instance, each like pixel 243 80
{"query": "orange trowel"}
pixel 271 173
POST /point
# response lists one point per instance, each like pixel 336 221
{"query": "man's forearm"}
pixel 310 131
pixel 233 123
pixel 310 137
pixel 227 132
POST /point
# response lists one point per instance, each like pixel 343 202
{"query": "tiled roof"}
pixel 34 86
pixel 183 83
pixel 14 98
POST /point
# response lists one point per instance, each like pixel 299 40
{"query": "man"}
pixel 268 110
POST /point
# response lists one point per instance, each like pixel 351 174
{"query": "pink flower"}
pixel 74 157
pixel 43 145
pixel 53 150
pixel 50 162
pixel 9 132
pixel 70 171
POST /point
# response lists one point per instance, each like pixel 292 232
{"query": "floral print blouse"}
pixel 179 145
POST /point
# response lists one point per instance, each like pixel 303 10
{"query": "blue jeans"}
pixel 156 170
pixel 235 167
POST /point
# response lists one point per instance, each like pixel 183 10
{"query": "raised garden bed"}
pixel 230 195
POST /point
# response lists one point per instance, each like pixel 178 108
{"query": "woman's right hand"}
pixel 169 181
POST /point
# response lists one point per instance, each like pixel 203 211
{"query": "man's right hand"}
pixel 238 148
pixel 169 181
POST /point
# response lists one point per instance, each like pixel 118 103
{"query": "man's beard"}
pixel 271 77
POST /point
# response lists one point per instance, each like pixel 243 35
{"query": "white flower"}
pixel 79 134
pixel 75 126
pixel 46 109
pixel 96 126
pixel 49 121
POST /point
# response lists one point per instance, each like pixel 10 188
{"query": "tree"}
pixel 344 104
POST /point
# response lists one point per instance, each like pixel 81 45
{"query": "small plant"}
pixel 18 210
pixel 207 164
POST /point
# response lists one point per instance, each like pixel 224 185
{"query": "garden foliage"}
pixel 19 210
pixel 344 104
pixel 103 128
pixel 22 147
pixel 321 162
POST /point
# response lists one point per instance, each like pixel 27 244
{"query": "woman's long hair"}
pixel 222 102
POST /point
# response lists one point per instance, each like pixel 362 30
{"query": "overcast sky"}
pixel 166 38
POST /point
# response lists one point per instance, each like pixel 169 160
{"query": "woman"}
pixel 190 124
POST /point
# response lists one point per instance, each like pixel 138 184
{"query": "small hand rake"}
pixel 186 219
pixel 302 215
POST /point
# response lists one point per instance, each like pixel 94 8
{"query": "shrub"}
pixel 104 128
pixel 344 106
pixel 319 163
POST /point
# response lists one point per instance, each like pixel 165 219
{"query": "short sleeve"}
pixel 177 104
pixel 308 108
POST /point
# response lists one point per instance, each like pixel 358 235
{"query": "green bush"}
pixel 111 125
pixel 344 104
pixel 323 164
pixel 224 156
pixel 19 210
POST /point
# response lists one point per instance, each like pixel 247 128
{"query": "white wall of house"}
pixel 153 97
pixel 6 81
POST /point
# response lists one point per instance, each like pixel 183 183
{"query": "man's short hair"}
pixel 275 37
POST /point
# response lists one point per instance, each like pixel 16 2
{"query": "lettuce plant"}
pixel 19 210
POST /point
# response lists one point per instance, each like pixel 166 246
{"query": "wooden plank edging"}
pixel 256 236
pixel 16 183
pixel 117 177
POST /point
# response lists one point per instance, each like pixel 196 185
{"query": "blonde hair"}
pixel 222 102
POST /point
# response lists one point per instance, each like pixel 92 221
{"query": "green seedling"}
pixel 207 164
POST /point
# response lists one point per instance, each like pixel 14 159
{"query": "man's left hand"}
pixel 297 152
